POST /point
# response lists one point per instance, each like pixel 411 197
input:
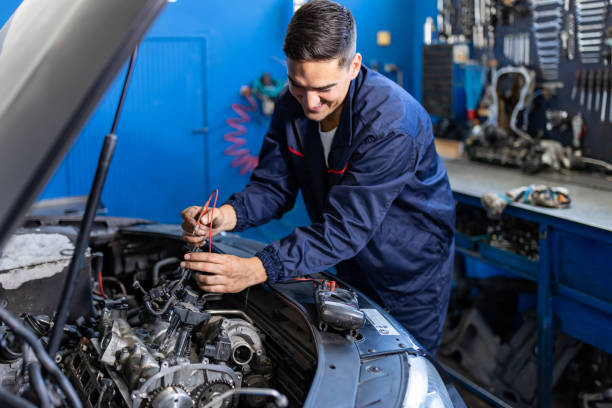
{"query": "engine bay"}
pixel 153 339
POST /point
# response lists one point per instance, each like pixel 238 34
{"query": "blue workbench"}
pixel 574 270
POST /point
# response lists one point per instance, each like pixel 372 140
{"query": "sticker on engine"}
pixel 382 325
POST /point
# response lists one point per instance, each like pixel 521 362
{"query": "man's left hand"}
pixel 226 273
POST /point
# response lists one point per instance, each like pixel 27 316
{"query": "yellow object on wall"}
pixel 383 38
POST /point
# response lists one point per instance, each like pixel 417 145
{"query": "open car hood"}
pixel 56 61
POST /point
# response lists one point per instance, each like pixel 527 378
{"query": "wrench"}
pixel 548 24
pixel 587 6
pixel 586 49
pixel 598 78
pixel 547 44
pixel 547 13
pixel 549 60
pixel 548 53
pixel 582 43
pixel 590 27
pixel 549 34
pixel 591 19
pixel 589 12
pixel 590 34
pixel 542 3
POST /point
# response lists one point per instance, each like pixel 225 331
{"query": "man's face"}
pixel 321 86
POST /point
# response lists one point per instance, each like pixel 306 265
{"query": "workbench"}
pixel 574 269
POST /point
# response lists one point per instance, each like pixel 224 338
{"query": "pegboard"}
pixel 518 20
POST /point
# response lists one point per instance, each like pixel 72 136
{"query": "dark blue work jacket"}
pixel 382 212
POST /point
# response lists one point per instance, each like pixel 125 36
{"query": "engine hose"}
pixel 26 334
pixel 242 157
pixel 38 384
pixel 13 401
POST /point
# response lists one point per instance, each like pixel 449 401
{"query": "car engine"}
pixel 155 340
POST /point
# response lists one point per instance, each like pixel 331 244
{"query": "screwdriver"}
pixel 605 85
pixel 576 83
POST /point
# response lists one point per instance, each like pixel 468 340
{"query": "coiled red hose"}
pixel 242 157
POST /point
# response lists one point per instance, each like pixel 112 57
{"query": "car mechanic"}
pixel 361 150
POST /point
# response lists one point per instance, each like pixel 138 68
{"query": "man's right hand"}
pixel 224 219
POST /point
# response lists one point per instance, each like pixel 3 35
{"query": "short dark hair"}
pixel 321 30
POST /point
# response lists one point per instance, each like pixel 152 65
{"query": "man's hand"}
pixel 228 273
pixel 224 220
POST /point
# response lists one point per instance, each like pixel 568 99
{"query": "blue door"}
pixel 160 160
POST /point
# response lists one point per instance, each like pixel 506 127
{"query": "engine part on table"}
pixel 474 346
pixel 516 368
pixel 33 268
pixel 518 91
pixel 337 308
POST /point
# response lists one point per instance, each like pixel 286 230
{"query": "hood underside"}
pixel 56 61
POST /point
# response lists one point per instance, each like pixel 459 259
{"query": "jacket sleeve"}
pixel 377 172
pixel 272 188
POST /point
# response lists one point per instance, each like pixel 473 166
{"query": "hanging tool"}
pixel 577 130
pixel 604 99
pixel 598 88
pixel 576 83
pixel 583 81
pixel 571 40
pixel 590 84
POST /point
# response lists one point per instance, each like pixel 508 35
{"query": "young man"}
pixel 361 150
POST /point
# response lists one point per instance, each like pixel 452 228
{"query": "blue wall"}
pixel 190 68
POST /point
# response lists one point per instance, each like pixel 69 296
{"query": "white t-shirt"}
pixel 327 138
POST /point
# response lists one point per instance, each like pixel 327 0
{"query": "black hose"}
pixel 13 401
pixel 26 334
pixel 38 384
